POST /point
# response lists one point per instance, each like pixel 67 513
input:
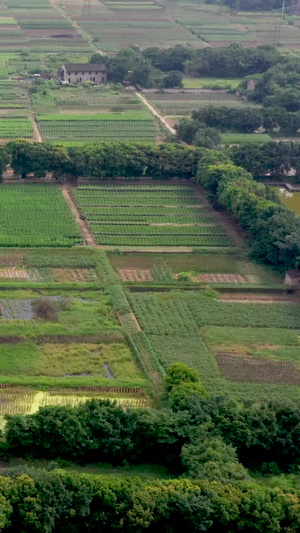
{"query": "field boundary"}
pixel 89 239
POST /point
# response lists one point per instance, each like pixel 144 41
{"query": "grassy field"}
pixel 149 216
pixel 24 208
pixel 244 138
pixel 210 83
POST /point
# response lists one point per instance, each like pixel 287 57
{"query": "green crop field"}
pixel 149 216
pixel 111 127
pixel 217 338
pixel 34 215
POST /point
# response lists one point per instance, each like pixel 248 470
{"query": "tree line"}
pixel 275 230
pixel 207 442
pixel 164 68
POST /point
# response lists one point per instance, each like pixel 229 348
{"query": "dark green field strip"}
pixel 149 219
pixel 146 229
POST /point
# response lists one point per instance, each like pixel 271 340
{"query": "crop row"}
pixel 12 128
pixel 127 229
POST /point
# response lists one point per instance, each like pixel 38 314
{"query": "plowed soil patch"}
pixel 135 274
pixel 247 369
pixel 74 275
pixel 13 273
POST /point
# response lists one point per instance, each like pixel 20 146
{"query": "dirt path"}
pixel 36 129
pixel 89 239
pixel 155 113
pixel 78 28
pixel 259 298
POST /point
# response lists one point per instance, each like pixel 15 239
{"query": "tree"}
pixel 213 460
pixel 179 373
pixel 29 157
pixel 173 79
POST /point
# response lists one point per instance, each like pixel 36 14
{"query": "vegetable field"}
pixel 34 215
pixel 111 127
pixel 148 216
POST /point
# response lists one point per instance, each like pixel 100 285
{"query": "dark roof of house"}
pixel 294 274
pixel 85 67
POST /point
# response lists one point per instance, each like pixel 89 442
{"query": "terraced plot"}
pixel 148 216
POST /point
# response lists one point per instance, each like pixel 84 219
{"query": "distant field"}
pixel 182 103
pixel 210 83
pixel 148 216
pixel 244 138
pixel 34 215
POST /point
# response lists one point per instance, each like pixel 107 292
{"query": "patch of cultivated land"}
pixel 36 215
pixel 156 215
pixel 244 350
pixel 216 268
pixel 78 352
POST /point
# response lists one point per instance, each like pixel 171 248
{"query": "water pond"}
pixel 291 200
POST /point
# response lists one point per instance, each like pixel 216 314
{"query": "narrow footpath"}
pixel 89 239
pixel 155 113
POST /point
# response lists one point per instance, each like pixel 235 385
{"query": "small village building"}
pixel 80 72
pixel 251 84
pixel 292 278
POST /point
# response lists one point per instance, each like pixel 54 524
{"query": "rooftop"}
pixel 85 67
pixel 294 274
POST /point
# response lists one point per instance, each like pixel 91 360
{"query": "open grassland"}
pixel 244 350
pixel 148 216
pixel 34 215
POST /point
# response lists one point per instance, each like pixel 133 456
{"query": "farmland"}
pixel 43 207
pixel 215 337
pixel 81 352
pixel 89 114
pixel 182 103
pixel 149 216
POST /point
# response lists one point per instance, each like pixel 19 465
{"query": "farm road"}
pixel 155 113
pixel 89 239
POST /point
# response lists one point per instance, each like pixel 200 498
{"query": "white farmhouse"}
pixel 80 72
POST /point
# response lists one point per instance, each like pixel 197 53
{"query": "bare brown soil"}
pixel 13 273
pixel 74 275
pixel 135 274
pixel 247 369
